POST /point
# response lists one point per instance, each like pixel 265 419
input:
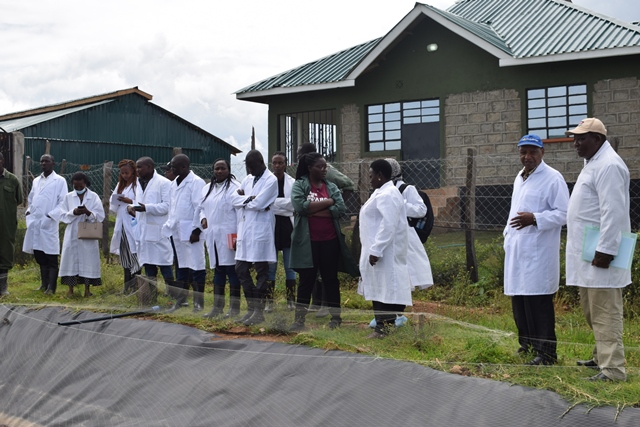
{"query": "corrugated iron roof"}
pixel 535 28
pixel 521 30
pixel 332 68
pixel 16 124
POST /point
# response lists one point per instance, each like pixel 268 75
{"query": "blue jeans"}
pixel 186 277
pixel 152 271
pixel 289 273
pixel 219 283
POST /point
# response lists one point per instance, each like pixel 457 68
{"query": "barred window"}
pixel 384 121
pixel 553 110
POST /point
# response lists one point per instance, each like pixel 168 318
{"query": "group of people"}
pixel 540 206
pixel 161 222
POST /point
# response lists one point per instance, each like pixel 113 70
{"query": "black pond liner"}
pixel 128 372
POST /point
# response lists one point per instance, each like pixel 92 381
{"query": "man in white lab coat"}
pixel 152 211
pixel 532 250
pixel 184 225
pixel 43 238
pixel 256 223
pixel 600 198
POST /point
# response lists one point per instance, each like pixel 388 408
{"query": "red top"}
pixel 320 228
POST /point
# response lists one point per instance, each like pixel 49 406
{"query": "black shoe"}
pixel 197 308
pixel 212 314
pixel 334 324
pixel 588 363
pixel 49 291
pixel 539 360
pixel 245 317
pixel 297 327
pixel 599 377
pixel 175 307
pixel 323 312
pixel 268 306
pixel 256 318
pixel 231 314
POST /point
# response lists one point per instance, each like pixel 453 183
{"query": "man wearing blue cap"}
pixel 532 250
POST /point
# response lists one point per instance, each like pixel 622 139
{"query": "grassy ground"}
pixel 470 341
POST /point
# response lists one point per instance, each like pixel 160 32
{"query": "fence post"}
pixel 47 147
pixel 106 195
pixel 176 151
pixel 63 166
pixel 470 223
pixel 25 184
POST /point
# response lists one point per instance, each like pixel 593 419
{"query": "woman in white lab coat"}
pixel 80 262
pixel 383 259
pixel 123 242
pixel 219 220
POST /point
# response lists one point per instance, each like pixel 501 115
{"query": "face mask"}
pixel 80 192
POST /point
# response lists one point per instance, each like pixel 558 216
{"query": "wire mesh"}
pixel 444 180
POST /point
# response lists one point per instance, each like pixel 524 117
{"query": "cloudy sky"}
pixel 191 55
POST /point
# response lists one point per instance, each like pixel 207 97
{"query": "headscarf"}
pixel 396 171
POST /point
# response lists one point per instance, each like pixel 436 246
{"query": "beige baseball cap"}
pixel 588 125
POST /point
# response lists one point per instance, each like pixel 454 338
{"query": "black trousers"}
pixel 385 315
pixel 535 319
pixel 46 260
pixel 326 257
pixel 253 293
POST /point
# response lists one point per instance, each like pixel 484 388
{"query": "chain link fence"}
pixel 456 185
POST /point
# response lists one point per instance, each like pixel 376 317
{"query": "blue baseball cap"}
pixel 531 140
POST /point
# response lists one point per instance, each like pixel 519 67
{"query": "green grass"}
pixel 476 337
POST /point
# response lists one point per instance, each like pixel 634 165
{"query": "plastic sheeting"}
pixel 128 372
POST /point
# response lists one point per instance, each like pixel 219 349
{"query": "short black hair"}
pixel 381 166
pixel 81 176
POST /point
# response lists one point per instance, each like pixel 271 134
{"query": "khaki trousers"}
pixel 602 308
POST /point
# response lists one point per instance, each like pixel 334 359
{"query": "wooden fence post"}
pixel 106 195
pixel 47 147
pixel 63 166
pixel 470 223
pixel 25 179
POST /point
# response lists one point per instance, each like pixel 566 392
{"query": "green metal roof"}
pixel 332 68
pixel 533 28
pixel 516 31
pixel 18 123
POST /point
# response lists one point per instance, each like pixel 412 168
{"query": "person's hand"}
pixel 204 223
pixel 522 220
pixel 373 259
pixel 124 199
pixel 195 237
pixel 79 210
pixel 140 208
pixel 131 211
pixel 601 260
pixel 241 191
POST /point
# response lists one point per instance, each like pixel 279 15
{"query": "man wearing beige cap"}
pixel 600 199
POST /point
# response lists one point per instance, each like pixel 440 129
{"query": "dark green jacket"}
pixel 301 240
pixel 10 198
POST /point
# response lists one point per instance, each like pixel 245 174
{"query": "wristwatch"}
pixel 534 220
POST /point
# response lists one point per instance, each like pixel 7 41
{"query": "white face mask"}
pixel 80 192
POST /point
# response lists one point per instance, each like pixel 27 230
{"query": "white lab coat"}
pixel 600 198
pixel 184 217
pixel 532 255
pixel 123 218
pixel 256 223
pixel 42 232
pixel 153 247
pixel 80 257
pixel 420 275
pixel 222 220
pixel 383 233
pixel 282 205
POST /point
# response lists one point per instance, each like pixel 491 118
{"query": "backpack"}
pixel 424 225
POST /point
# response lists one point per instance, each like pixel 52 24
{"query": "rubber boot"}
pixel 269 305
pixel 4 283
pixel 291 294
pixel 53 281
pixel 258 310
pixel 181 297
pixel 299 319
pixel 44 279
pixel 336 320
pixel 234 303
pixel 251 305
pixel 198 297
pixel 218 302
